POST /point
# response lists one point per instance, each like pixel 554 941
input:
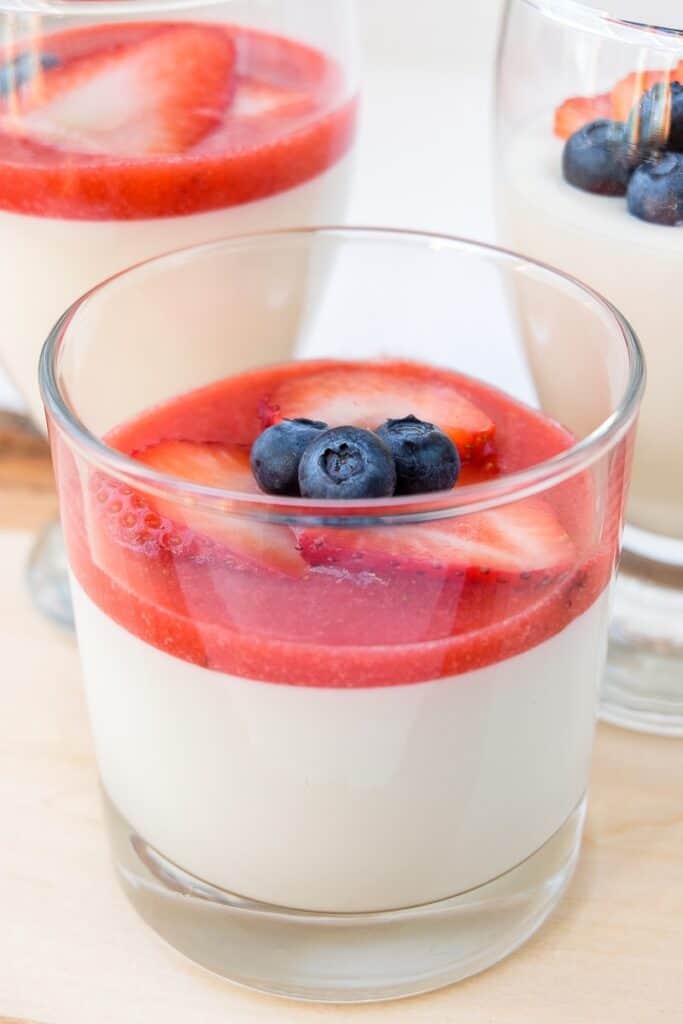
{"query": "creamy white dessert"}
pixel 321 717
pixel 343 799
pixel 47 263
pixel 638 267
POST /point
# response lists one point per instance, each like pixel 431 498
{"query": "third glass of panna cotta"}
pixel 130 136
pixel 589 172
pixel 352 731
pixel 610 210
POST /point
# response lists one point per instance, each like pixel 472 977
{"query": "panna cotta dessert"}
pixel 337 714
pixel 122 140
pixel 598 192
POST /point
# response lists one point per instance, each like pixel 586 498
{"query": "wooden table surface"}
pixel 73 952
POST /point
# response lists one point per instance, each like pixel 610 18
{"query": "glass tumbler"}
pixel 332 769
pixel 567 71
pixel 131 127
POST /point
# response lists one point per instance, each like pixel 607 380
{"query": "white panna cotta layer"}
pixel 638 267
pixel 343 800
pixel 47 263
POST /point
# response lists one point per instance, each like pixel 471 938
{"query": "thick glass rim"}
pixel 417 508
pixel 575 14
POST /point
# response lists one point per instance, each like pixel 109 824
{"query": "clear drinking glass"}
pixel 342 780
pixel 563 65
pixel 131 127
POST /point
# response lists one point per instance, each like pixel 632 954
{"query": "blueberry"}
pixel 655 192
pixel 660 114
pixel 675 140
pixel 21 70
pixel 426 458
pixel 598 158
pixel 276 454
pixel 347 462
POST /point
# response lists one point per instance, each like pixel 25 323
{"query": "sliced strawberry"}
pixel 214 465
pixel 522 543
pixel 366 396
pixel 132 523
pixel 577 111
pixel 256 99
pixel 133 545
pixel 159 96
pixel 210 464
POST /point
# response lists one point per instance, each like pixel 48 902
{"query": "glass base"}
pixel 48 579
pixel 343 958
pixel 643 687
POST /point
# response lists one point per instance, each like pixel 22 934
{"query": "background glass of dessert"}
pixel 589 166
pixel 344 746
pixel 128 129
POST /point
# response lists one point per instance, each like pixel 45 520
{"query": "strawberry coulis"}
pixel 240 158
pixel 328 627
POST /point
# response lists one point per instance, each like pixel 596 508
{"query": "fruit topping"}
pixel 347 462
pixel 366 396
pixel 627 92
pixel 144 119
pixel 133 523
pixel 524 543
pixel 209 464
pixel 660 117
pixel 675 138
pixel 258 100
pixel 375 602
pixel 159 96
pixel 256 543
pixel 276 454
pixel 627 150
pixel 655 192
pixel 578 111
pixel 598 158
pixel 426 459
pixel 650 120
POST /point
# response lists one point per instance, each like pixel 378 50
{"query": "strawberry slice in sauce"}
pixel 159 96
pixel 520 543
pixel 577 111
pixel 143 542
pixel 134 120
pixel 263 545
pixel 323 605
pixel 365 396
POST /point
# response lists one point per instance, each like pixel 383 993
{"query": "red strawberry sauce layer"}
pixel 157 119
pixel 329 606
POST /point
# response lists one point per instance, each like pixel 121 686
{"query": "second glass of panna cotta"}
pixel 128 129
pixel 589 172
pixel 344 737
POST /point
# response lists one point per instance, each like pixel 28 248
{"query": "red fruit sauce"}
pixel 245 150
pixel 328 626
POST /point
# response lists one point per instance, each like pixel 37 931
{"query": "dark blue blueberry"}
pixel 21 70
pixel 598 158
pixel 276 453
pixel 675 140
pixel 655 192
pixel 347 462
pixel 426 458
pixel 660 115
